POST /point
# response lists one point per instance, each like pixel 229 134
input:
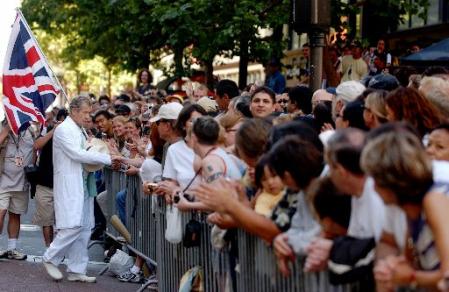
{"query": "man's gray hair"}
pixel 78 101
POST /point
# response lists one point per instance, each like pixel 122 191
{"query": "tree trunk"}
pixel 109 80
pixel 243 64
pixel 208 64
pixel 178 56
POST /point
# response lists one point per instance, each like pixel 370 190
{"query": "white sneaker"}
pixel 53 271
pixel 74 277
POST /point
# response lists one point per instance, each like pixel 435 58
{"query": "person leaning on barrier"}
pixel 409 184
pixel 367 214
pixel 173 121
pixel 222 197
pixel 228 198
pixel 215 162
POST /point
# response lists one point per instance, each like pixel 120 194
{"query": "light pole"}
pixel 313 17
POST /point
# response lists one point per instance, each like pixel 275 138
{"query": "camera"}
pixel 124 167
pixel 151 187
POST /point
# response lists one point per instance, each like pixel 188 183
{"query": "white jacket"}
pixel 68 157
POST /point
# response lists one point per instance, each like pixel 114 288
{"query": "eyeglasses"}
pixel 283 101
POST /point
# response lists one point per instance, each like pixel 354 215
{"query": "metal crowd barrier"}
pixel 256 269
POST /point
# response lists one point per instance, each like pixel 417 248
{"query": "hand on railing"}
pixel 132 170
pixel 318 254
pixel 394 270
pixel 223 221
pixel 148 187
pixel 166 188
pixel 283 252
pixel 116 161
pixel 383 276
pixel 443 284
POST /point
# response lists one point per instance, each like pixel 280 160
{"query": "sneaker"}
pixel 131 277
pixel 75 277
pixel 53 271
pixel 16 255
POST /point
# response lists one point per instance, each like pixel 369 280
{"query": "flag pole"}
pixel 47 65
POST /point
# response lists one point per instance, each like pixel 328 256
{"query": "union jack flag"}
pixel 28 88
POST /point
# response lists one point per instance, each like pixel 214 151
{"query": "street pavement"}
pixel 30 275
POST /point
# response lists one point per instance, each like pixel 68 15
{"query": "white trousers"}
pixel 71 244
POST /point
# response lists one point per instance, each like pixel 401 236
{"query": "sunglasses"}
pixel 283 101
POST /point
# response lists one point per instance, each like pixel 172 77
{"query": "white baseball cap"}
pixel 209 105
pixel 349 90
pixel 169 111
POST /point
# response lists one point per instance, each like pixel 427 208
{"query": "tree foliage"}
pixel 131 34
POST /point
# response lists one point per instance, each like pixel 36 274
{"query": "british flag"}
pixel 28 88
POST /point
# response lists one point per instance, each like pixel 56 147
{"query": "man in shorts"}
pixel 14 188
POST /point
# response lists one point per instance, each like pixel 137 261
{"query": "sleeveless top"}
pixel 422 236
pixel 231 169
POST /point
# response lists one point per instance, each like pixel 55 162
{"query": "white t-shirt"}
pixel 151 170
pixel 179 163
pixel 396 220
pixel 367 213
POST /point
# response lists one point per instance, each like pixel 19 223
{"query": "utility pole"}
pixel 313 17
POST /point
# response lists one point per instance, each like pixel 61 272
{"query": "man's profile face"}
pixel 81 116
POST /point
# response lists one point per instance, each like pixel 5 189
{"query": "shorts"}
pixel 14 202
pixel 45 208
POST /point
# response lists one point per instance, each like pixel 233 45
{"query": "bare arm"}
pixel 435 207
pixel 136 162
pixel 4 133
pixel 212 168
pixel 222 196
pixel 252 222
pixel 42 141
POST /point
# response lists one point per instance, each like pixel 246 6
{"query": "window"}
pixel 433 16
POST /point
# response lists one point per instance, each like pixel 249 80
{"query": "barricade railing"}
pixel 256 269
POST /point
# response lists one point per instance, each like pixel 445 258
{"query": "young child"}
pixel 270 187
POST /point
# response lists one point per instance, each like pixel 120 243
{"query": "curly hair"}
pixel 408 104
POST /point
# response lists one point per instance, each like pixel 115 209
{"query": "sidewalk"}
pixel 24 276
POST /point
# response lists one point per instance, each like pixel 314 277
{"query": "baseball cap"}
pixel 169 111
pixel 349 90
pixel 123 110
pixel 384 81
pixel 209 105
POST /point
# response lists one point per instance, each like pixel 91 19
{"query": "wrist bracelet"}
pixel 412 281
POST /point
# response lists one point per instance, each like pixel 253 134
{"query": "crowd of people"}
pixel 353 178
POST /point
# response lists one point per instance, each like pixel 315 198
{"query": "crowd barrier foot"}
pixel 148 284
pixel 94 242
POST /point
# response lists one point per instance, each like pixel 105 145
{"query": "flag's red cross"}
pixel 28 89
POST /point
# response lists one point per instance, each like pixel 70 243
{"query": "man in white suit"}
pixel 73 203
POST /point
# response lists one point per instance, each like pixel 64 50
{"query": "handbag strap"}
pixel 198 171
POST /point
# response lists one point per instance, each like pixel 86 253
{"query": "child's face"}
pixel 271 183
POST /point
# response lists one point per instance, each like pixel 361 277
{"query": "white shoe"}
pixel 53 271
pixel 74 277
